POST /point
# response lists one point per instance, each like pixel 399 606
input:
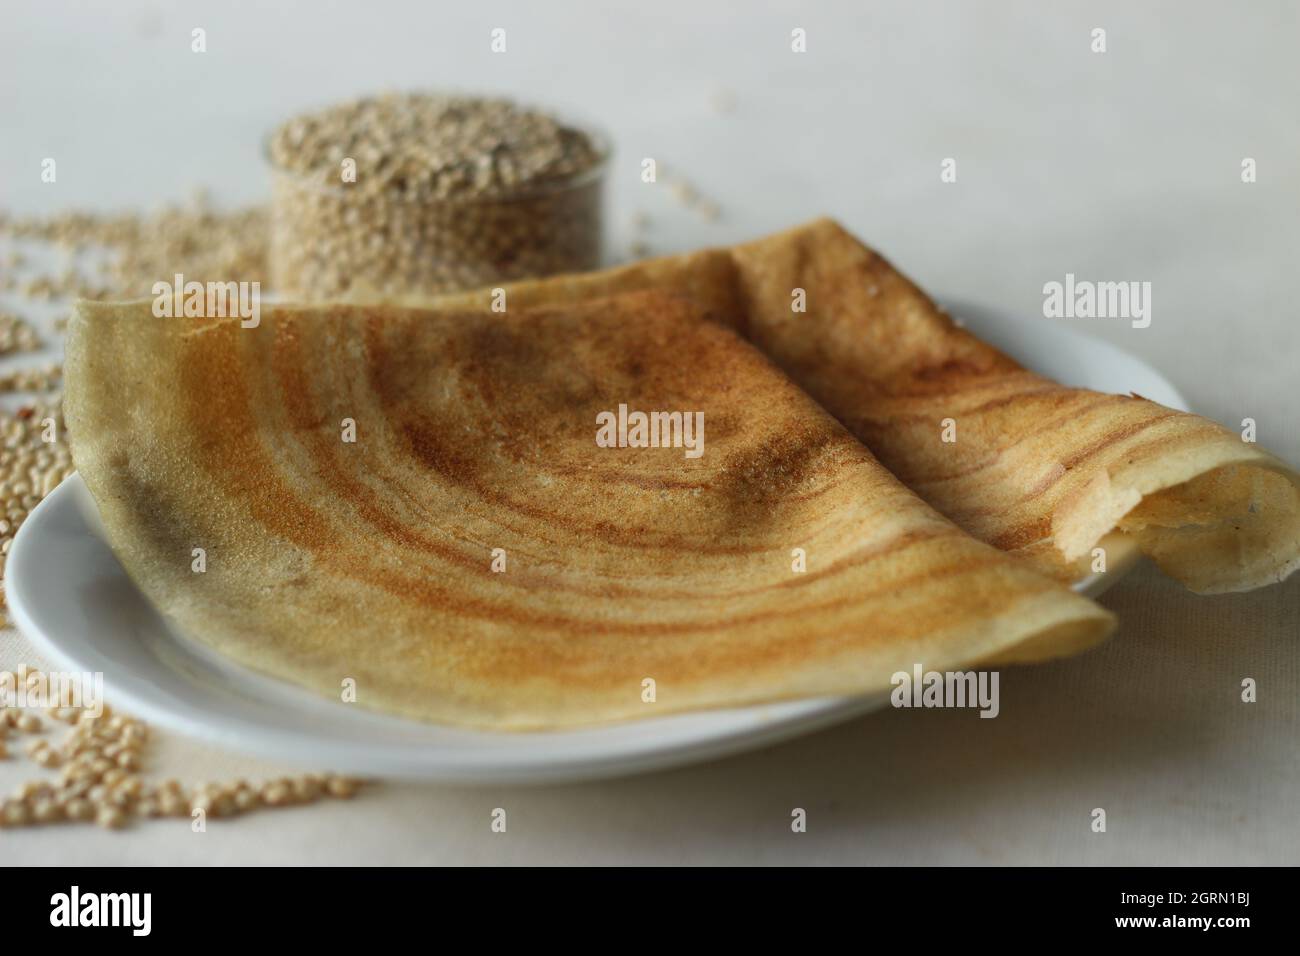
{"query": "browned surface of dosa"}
pixel 1037 469
pixel 372 560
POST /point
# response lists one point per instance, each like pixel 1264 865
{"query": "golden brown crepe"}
pixel 1040 470
pixel 373 560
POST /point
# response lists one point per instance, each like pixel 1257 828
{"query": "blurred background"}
pixel 1122 165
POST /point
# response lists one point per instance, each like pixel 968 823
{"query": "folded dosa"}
pixel 1038 469
pixel 474 557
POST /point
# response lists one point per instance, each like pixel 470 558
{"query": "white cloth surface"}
pixel 1116 166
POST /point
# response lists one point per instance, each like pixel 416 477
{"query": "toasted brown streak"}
pixel 1039 469
pixel 371 560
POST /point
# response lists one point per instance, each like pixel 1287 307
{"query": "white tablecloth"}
pixel 1123 165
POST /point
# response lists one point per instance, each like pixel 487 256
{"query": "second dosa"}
pixel 1036 468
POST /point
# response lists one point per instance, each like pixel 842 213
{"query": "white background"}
pixel 1116 166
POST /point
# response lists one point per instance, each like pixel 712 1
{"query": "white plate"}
pixel 70 596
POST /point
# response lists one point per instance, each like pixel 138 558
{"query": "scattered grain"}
pixel 30 723
pixel 110 817
pixel 47 811
pixel 16 813
pixel 79 809
pixel 344 788
pixel 16 335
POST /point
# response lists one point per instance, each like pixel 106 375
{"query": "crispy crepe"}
pixel 1040 470
pixel 474 557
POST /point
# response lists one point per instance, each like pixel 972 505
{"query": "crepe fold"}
pixel 1046 472
pixel 474 557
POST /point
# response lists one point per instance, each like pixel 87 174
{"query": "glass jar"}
pixel 347 242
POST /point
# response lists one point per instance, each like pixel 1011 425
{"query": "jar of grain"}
pixel 411 194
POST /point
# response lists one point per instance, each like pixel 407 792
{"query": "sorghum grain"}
pixel 416 193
